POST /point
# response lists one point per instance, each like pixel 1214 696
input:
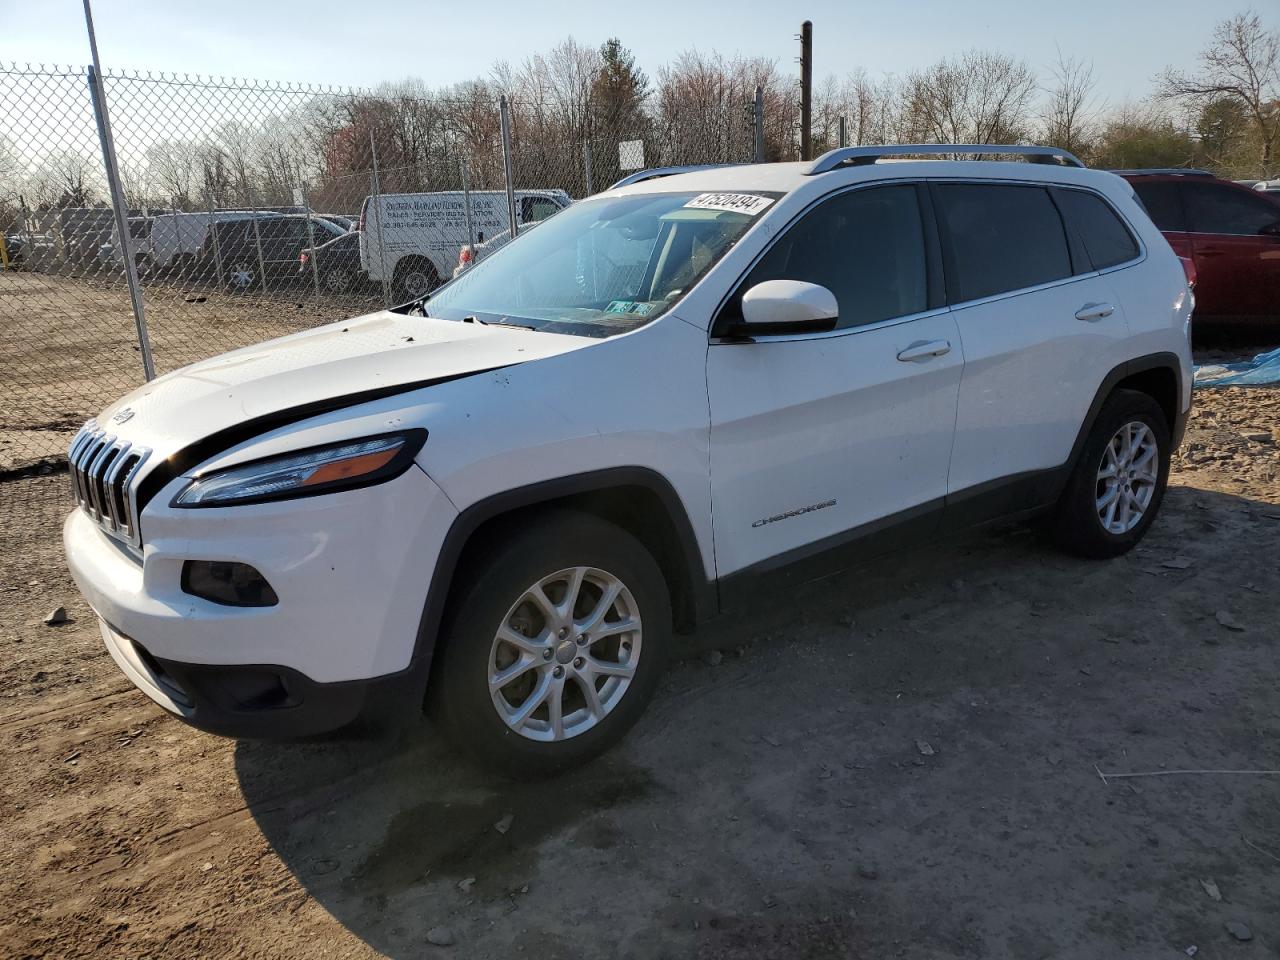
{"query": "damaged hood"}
pixel 363 358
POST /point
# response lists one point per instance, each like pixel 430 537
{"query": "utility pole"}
pixel 806 90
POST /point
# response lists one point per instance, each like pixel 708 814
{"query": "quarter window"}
pixel 1002 238
pixel 1105 237
pixel 865 246
pixel 1217 209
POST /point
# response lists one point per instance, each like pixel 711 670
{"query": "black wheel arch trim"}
pixel 1153 361
pixel 703 592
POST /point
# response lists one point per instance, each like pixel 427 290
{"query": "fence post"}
pixel 504 117
pixel 377 212
pixel 758 111
pixel 844 132
pixel 217 243
pixel 118 203
pixel 257 241
pixel 311 238
pixel 586 165
pixel 466 202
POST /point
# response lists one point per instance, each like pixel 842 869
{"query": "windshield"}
pixel 602 266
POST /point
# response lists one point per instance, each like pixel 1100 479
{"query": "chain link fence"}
pixel 259 209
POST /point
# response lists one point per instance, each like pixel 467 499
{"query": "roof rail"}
pixel 857 156
pixel 654 172
pixel 1164 171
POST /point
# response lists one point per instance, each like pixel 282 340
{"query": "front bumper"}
pixel 351 571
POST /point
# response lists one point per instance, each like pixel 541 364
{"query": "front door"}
pixel 814 436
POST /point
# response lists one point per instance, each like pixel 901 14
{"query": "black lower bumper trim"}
pixel 264 701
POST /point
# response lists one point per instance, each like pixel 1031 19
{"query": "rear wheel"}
pixel 240 275
pixel 414 277
pixel 554 645
pixel 338 279
pixel 1118 483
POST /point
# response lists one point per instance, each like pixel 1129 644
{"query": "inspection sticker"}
pixel 747 203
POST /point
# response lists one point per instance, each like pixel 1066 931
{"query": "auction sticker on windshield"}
pixel 748 203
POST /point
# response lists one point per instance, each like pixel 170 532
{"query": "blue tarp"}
pixel 1264 368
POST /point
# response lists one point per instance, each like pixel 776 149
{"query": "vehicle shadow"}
pixel 782 770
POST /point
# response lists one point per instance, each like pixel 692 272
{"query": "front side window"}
pixel 1003 237
pixel 604 265
pixel 534 209
pixel 1106 239
pixel 1163 204
pixel 1212 208
pixel 865 246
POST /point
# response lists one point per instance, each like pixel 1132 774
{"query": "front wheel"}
pixel 1118 484
pixel 415 277
pixel 553 646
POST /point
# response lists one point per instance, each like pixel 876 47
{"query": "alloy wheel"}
pixel 565 654
pixel 1127 477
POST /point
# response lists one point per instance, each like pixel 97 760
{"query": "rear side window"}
pixel 1163 205
pixel 1213 208
pixel 1001 238
pixel 865 246
pixel 1106 239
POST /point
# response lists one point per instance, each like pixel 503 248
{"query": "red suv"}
pixel 1229 232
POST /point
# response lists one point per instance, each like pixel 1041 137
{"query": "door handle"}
pixel 924 350
pixel 1095 311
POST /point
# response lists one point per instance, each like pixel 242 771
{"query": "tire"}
pixel 549 550
pixel 414 277
pixel 1081 524
pixel 337 279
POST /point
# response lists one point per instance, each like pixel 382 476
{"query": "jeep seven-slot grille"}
pixel 102 469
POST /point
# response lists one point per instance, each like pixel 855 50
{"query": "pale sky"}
pixel 364 42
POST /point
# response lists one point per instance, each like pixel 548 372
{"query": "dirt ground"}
pixel 69 345
pixel 907 760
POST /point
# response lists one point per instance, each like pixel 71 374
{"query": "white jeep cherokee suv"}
pixel 504 501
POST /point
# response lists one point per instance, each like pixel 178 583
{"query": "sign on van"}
pixel 631 155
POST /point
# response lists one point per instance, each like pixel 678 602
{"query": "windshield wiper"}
pixel 497 323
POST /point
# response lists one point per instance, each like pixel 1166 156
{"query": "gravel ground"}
pixel 907 760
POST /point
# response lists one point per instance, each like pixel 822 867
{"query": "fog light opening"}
pixel 228 583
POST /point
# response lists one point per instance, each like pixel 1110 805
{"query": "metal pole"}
pixel 117 198
pixel 257 242
pixel 466 201
pixel 217 244
pixel 504 116
pixel 844 131
pixel 806 90
pixel 377 212
pixel 586 165
pixel 758 117
pixel 311 237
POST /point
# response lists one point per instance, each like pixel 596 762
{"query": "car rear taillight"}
pixel 304 258
pixel 465 255
pixel 1189 268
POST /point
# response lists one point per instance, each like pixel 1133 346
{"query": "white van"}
pixel 413 239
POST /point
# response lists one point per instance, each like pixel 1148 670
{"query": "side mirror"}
pixel 787 306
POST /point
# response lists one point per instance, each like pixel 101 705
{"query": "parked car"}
pixel 335 264
pixel 1229 231
pixel 1267 186
pixel 344 223
pixel 469 254
pixel 257 254
pixel 176 241
pixel 14 247
pixel 413 238
pixel 509 500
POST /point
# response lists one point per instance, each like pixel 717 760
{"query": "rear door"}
pixel 816 435
pixel 1041 329
pixel 1237 259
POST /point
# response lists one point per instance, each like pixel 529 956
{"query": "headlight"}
pixel 339 466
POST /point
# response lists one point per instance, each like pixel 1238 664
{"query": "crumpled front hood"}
pixel 373 355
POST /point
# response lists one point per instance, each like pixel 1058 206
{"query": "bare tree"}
pixel 978 97
pixel 1242 62
pixel 1070 115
